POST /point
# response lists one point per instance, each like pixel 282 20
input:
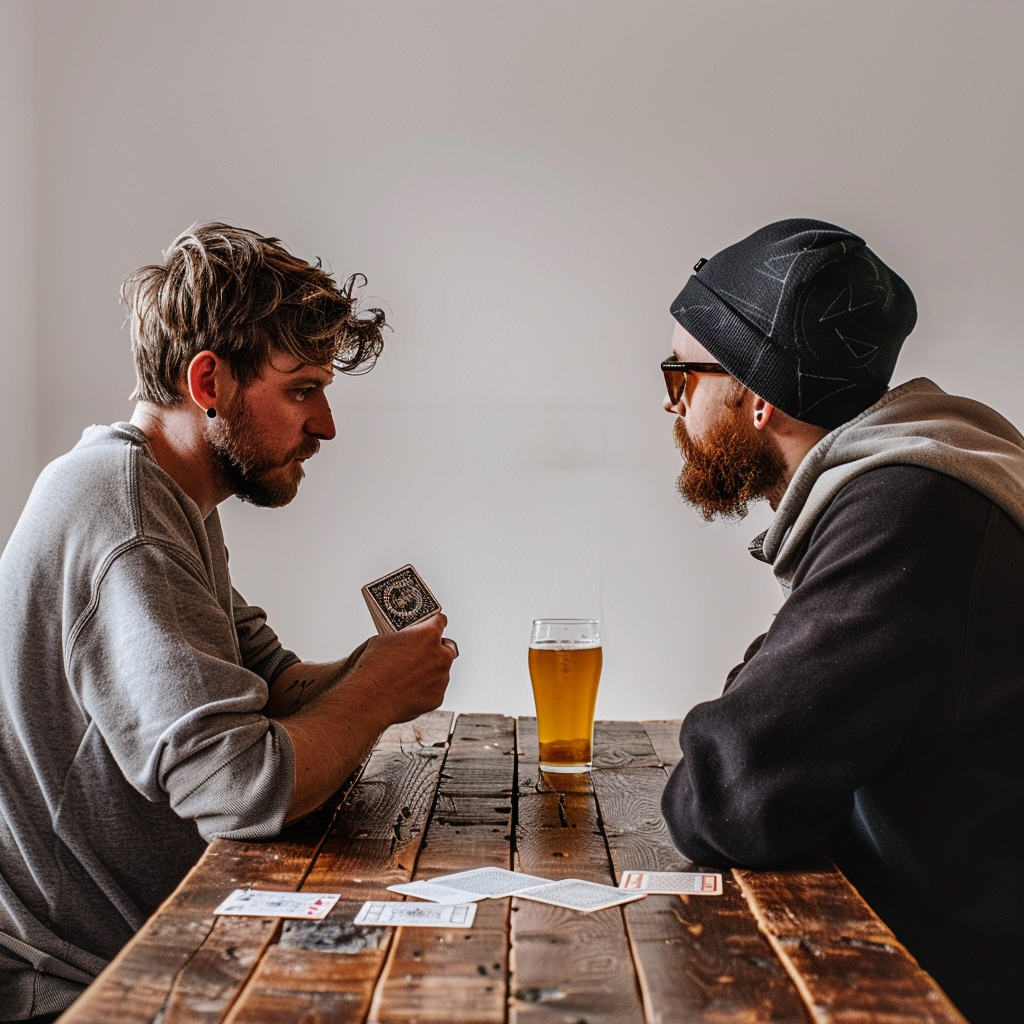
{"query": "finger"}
pixel 354 657
pixel 437 622
pixel 451 645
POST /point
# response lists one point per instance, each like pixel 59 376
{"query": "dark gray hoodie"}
pixel 880 718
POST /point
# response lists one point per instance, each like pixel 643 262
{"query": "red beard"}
pixel 732 465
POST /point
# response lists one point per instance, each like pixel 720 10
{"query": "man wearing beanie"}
pixel 880 717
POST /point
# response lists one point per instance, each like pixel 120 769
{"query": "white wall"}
pixel 18 403
pixel 527 185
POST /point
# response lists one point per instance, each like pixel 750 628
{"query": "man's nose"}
pixel 321 424
pixel 677 409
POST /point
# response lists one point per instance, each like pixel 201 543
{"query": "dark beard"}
pixel 240 460
pixel 731 466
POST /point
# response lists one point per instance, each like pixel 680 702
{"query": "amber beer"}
pixel 565 668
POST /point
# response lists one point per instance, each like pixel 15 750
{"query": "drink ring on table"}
pixel 449 642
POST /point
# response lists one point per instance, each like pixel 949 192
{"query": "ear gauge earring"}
pixel 212 413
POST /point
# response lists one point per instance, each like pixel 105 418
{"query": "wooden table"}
pixel 782 946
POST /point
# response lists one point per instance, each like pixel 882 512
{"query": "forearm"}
pixel 389 679
pixel 331 736
pixel 303 682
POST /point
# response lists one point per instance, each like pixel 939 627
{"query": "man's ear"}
pixel 202 380
pixel 762 412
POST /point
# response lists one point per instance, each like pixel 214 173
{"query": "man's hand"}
pixel 406 672
pixel 390 679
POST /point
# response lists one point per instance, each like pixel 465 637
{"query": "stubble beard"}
pixel 243 464
pixel 728 468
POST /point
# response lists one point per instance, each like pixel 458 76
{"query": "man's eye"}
pixel 300 393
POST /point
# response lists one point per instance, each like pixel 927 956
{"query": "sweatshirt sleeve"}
pixel 155 664
pixel 878 609
pixel 262 651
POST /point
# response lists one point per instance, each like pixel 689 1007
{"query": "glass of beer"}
pixel 565 668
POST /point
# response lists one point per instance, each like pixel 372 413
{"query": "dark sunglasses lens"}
pixel 675 381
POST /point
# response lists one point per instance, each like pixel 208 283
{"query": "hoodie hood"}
pixel 915 424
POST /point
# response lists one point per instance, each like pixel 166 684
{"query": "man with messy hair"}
pixel 145 707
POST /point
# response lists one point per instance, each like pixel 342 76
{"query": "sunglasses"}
pixel 675 375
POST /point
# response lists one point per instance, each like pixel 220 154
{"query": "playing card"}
pixel 575 894
pixel 398 600
pixel 492 882
pixel 682 883
pixel 313 906
pixel 437 893
pixel 375 913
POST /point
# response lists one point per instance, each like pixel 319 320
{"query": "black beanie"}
pixel 805 315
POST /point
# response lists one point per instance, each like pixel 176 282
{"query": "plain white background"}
pixel 527 185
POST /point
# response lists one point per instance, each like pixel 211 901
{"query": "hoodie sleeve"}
pixel 877 617
pixel 156 668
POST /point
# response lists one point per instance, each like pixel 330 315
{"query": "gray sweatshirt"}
pixel 132 680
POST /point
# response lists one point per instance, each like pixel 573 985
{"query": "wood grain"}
pixel 565 966
pixel 848 966
pixel 447 975
pixel 698 957
pixel 372 843
pixel 664 737
pixel 184 965
pixel 629 800
pixel 617 744
pixel 154 974
pixel 783 947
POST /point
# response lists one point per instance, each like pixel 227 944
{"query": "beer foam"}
pixel 564 645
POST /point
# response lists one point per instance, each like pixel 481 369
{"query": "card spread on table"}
pixel 398 600
pixel 493 882
pixel 437 893
pixel 672 883
pixel 312 906
pixel 575 894
pixel 416 915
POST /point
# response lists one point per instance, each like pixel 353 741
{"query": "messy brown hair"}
pixel 243 297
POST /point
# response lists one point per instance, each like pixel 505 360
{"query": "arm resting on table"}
pixel 391 679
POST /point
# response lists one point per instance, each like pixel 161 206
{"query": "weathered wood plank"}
pixel 565 966
pixel 623 743
pixel 444 975
pixel 629 800
pixel 153 974
pixel 430 730
pixel 185 965
pixel 664 737
pixel 846 963
pixel 372 843
pixel 698 958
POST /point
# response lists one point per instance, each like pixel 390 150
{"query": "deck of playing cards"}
pixel 398 600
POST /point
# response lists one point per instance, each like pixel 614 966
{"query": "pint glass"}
pixel 565 668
